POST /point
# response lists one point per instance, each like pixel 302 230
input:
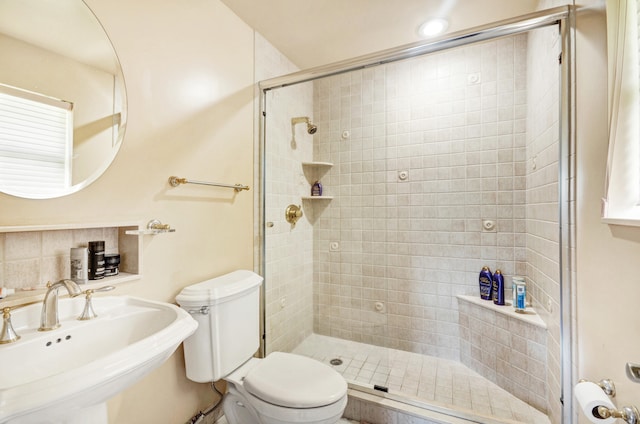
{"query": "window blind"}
pixel 36 141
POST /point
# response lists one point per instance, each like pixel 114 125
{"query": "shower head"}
pixel 311 128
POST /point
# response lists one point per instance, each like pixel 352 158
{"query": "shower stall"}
pixel 434 160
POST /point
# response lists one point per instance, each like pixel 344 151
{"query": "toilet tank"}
pixel 227 309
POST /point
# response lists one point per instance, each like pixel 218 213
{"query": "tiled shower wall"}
pixel 390 253
pixel 455 123
pixel 288 249
pixel 542 235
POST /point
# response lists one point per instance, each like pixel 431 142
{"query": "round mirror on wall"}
pixel 62 98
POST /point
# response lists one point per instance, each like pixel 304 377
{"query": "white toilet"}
pixel 282 388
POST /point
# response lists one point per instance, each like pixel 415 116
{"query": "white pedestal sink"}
pixel 65 375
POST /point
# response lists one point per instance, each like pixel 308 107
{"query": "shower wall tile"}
pixel 542 243
pixel 288 249
pixel 459 125
pixel 505 350
pixel 455 123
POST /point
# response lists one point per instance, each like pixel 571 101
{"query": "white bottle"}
pixel 79 264
pixel 4 292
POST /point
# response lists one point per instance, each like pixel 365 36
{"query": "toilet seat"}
pixel 294 381
pixel 267 413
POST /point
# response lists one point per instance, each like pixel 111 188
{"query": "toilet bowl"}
pixel 282 388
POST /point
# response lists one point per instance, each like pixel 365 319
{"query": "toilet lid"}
pixel 294 381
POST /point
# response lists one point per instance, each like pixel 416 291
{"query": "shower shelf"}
pixel 317 164
pixel 317 197
pixel 315 170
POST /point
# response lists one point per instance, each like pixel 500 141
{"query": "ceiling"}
pixel 312 33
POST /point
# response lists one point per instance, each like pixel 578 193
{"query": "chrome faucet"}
pixel 8 334
pixel 49 318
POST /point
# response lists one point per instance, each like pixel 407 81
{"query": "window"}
pixel 36 141
pixel 621 204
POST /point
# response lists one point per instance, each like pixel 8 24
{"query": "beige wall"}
pixel 607 267
pixel 189 74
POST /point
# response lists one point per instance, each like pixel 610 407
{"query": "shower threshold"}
pixel 419 382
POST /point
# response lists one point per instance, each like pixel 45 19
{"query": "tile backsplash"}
pixel 32 258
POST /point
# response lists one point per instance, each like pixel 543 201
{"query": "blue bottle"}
pixel 520 296
pixel 498 288
pixel 486 282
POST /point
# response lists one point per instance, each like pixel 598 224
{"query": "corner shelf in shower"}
pixel 318 164
pixel 315 170
pixel 317 197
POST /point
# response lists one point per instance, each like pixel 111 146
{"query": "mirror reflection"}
pixel 62 98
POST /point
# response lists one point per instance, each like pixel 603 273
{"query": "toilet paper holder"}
pixel 607 386
pixel 629 414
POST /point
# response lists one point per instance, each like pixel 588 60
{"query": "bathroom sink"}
pixel 83 363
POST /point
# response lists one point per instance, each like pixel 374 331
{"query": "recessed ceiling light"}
pixel 433 27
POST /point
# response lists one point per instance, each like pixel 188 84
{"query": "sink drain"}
pixel 335 361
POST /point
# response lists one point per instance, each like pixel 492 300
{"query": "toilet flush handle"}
pixel 203 310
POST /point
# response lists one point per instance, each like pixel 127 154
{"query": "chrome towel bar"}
pixel 175 181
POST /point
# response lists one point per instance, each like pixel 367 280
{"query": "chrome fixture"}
pixel 155 226
pixel 607 386
pixel 633 372
pixel 204 310
pixel 88 312
pixel 8 334
pixel 311 128
pixel 49 318
pixel 628 413
pixel 292 214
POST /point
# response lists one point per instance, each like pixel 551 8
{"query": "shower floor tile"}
pixel 420 378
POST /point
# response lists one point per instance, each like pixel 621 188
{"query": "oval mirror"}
pixel 62 98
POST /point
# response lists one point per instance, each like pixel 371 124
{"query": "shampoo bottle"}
pixel 316 189
pixel 486 281
pixel 498 288
pixel 79 264
pixel 96 260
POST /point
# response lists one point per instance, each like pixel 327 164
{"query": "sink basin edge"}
pixel 103 378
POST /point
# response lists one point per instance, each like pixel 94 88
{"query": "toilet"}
pixel 282 388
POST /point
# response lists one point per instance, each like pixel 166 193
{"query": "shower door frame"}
pixel 564 17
